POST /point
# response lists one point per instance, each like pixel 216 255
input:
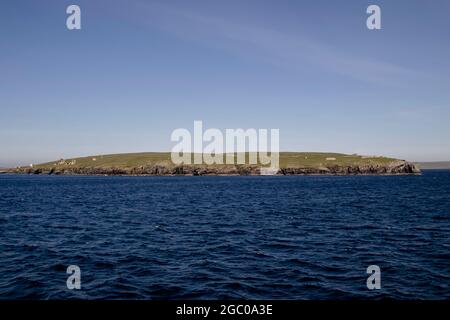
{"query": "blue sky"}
pixel 137 70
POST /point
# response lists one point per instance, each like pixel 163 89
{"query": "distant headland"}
pixel 159 163
pixel 434 165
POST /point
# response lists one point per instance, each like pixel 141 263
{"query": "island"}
pixel 160 164
pixel 434 165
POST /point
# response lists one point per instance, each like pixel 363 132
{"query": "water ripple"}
pixel 225 237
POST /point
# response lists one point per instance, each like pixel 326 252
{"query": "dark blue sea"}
pixel 296 237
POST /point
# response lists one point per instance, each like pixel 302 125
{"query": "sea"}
pixel 214 237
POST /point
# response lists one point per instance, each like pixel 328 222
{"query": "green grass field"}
pixel 287 160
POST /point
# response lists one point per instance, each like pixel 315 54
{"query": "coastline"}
pixel 399 167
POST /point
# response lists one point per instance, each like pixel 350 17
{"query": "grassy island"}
pixel 159 163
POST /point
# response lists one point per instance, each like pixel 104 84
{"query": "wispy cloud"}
pixel 294 52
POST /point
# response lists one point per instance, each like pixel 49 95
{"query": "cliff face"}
pixel 398 167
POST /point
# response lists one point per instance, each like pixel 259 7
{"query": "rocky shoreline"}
pixel 398 167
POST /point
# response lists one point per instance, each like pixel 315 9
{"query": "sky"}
pixel 137 70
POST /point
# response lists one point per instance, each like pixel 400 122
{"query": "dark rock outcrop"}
pixel 398 167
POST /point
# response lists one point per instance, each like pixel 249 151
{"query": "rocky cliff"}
pixel 397 167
